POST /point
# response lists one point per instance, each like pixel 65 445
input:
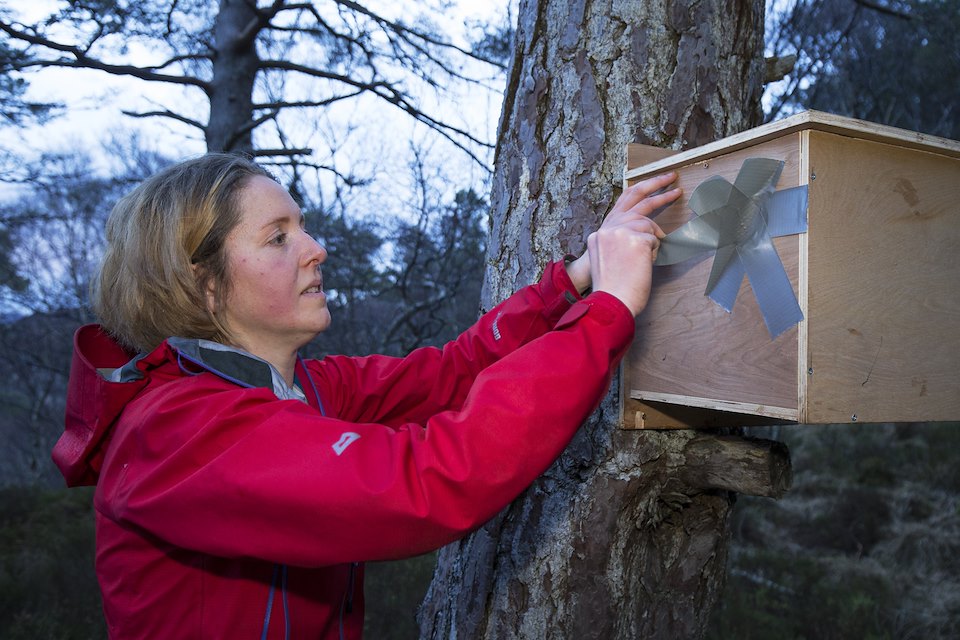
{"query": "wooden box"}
pixel 876 275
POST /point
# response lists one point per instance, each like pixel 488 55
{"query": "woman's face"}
pixel 275 302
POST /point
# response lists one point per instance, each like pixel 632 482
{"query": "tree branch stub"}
pixel 748 466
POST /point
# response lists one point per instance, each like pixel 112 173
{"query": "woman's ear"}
pixel 207 286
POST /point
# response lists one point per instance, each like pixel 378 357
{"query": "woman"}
pixel 239 487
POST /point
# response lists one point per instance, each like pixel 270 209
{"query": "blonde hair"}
pixel 165 250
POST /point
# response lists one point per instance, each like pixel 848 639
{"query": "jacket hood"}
pixel 94 401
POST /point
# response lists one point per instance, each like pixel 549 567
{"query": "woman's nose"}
pixel 315 252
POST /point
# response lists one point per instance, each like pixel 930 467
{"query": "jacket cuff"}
pixel 557 290
pixel 603 308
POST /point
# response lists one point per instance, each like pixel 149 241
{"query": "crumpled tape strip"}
pixel 738 221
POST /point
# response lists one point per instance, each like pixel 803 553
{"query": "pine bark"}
pixel 235 67
pixel 616 540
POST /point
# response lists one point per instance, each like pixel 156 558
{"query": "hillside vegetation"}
pixel 865 545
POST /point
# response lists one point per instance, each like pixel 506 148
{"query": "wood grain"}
pixel 805 121
pixel 877 277
pixel 687 345
pixel 641 154
pixel 884 283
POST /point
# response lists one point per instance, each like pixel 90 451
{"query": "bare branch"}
pixel 165 114
pixel 388 93
pixel 776 67
pixel 306 104
pixel 400 41
pixel 282 152
pixel 410 312
pixel 250 126
pixel 879 8
pixel 401 29
pixel 170 12
pixel 745 465
pixel 264 16
pixel 285 65
pixel 177 59
pixel 296 162
pixel 83 61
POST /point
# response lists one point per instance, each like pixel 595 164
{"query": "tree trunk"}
pixel 616 540
pixel 235 66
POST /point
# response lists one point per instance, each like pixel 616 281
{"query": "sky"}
pixel 95 101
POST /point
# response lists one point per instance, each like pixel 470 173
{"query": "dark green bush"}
pixel 776 595
pixel 47 584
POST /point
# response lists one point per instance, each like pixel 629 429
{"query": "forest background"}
pixel 865 545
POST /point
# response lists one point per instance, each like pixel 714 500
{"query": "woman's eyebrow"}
pixel 284 218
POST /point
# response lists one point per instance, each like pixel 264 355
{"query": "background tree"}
pixel 55 231
pixel 611 542
pixel 16 108
pixel 407 279
pixel 437 258
pixel 894 62
pixel 248 67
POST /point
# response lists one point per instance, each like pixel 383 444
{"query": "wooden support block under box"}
pixel 876 275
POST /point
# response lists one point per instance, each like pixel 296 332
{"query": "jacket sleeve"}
pixel 392 391
pixel 240 475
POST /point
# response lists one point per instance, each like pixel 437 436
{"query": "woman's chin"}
pixel 325 321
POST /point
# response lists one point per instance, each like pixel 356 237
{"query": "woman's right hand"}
pixel 621 252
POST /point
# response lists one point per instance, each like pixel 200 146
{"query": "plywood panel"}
pixel 809 121
pixel 884 283
pixel 786 148
pixel 877 276
pixel 660 415
pixel 641 154
pixel 686 345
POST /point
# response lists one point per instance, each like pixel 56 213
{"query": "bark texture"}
pixel 235 68
pixel 616 540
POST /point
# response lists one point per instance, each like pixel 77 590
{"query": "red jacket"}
pixel 223 510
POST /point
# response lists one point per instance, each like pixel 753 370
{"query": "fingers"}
pixel 633 220
pixel 645 188
pixel 620 254
pixel 653 203
pixel 646 197
pixel 644 224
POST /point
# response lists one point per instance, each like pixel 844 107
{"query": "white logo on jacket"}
pixel 496 328
pixel 347 438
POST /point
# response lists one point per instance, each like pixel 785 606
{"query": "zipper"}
pixel 346 604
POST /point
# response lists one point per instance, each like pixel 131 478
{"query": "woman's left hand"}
pixel 632 209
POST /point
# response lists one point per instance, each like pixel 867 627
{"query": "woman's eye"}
pixel 279 239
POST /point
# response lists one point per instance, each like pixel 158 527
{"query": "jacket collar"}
pixel 231 364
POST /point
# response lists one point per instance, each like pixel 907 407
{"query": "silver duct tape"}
pixel 758 177
pixel 723 288
pixel 771 286
pixel 787 212
pixel 738 221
